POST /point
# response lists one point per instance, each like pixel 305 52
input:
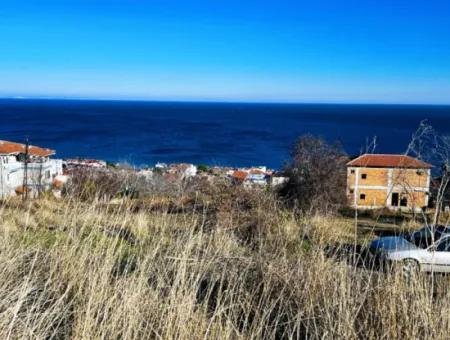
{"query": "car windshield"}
pixel 443 245
pixel 423 237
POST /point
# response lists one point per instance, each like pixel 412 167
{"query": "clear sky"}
pixel 383 51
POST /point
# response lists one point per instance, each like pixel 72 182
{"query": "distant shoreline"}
pixel 218 101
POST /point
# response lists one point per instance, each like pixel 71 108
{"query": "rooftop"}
pixel 388 161
pixel 11 148
pixel 239 175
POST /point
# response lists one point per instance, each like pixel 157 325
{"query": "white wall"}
pixel 12 174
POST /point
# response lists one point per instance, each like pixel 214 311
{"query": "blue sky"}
pixel 374 51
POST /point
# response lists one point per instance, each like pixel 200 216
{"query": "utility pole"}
pixel 25 172
pixel 40 180
pixel 2 187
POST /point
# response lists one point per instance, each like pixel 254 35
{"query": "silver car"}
pixel 417 251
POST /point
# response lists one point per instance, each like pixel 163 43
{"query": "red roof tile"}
pixel 7 148
pixel 257 172
pixel 20 190
pixel 57 183
pixel 388 161
pixel 239 175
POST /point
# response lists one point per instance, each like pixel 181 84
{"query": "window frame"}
pixel 445 241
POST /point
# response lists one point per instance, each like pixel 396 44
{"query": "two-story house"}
pixel 16 160
pixel 392 181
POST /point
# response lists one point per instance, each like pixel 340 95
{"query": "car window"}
pixel 423 237
pixel 444 245
pixel 424 232
pixel 445 230
pixel 440 229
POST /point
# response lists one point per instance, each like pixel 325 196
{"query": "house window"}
pixel 404 202
pixel 352 171
pixel 395 199
pixel 362 197
pixel 47 174
pixel 352 191
pixel 364 176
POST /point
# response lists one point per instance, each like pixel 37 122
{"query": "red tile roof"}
pixel 57 183
pixel 257 172
pixel 388 161
pixel 239 175
pixel 20 190
pixel 7 148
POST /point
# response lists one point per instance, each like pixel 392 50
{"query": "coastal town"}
pixel 31 169
pixel 258 176
pixel 236 170
pixel 396 182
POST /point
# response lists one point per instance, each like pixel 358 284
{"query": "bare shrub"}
pixel 87 185
pixel 100 184
pixel 433 147
pixel 317 175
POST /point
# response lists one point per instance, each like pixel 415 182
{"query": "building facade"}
pixel 396 182
pixel 18 161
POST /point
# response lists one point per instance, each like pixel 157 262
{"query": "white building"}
pixel 189 170
pixel 256 179
pixel 40 169
pixel 146 173
pixel 184 170
pixel 86 163
pixel 161 166
pixel 278 180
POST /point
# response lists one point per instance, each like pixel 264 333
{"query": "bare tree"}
pixel 428 144
pixel 36 177
pixel 317 175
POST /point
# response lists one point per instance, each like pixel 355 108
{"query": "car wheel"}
pixel 410 268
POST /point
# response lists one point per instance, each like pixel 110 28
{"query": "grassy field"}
pixel 249 270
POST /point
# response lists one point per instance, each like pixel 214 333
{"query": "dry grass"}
pixel 86 271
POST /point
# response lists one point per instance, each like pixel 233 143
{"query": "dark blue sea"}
pixel 236 134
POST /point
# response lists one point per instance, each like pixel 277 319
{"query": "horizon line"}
pixel 217 101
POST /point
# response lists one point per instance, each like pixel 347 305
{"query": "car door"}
pixel 440 256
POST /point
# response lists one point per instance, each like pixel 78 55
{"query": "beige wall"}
pixel 380 183
pixel 374 197
pixel 374 176
pixel 417 199
pixel 380 198
pixel 409 177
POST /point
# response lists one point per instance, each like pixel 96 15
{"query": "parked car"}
pixel 416 251
pixel 423 238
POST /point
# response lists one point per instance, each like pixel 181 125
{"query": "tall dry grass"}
pixel 91 271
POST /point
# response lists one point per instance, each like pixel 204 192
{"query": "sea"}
pixel 225 134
